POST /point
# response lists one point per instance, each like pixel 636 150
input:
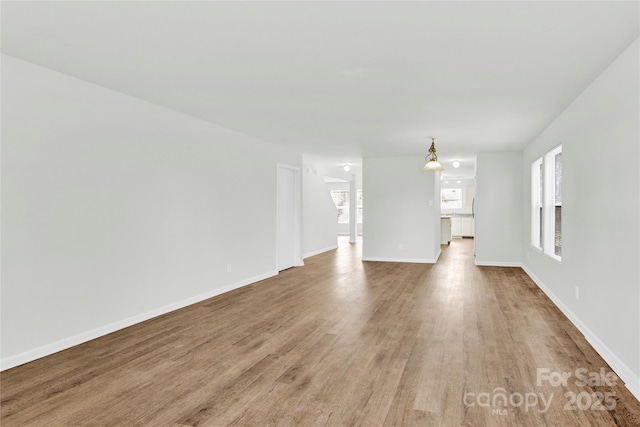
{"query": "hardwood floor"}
pixel 337 342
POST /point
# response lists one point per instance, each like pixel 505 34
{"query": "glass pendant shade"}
pixel 432 165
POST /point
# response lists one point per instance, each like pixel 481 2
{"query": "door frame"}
pixel 298 262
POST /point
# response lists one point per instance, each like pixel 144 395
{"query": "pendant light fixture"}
pixel 432 159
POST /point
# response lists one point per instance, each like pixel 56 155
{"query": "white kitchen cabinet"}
pixel 445 230
pixel 468 227
pixel 456 226
pixel 462 226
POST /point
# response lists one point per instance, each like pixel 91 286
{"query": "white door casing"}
pixel 288 218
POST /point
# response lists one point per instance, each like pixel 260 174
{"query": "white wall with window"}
pixel 596 284
pixel 546 203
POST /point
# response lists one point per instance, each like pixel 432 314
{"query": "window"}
pixel 553 202
pixel 341 199
pixel 450 198
pixel 546 203
pixel 536 204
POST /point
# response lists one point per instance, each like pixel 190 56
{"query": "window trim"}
pixel 536 204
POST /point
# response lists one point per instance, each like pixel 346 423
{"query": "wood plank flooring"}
pixel 337 342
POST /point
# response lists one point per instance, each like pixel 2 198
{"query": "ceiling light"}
pixel 347 168
pixel 456 164
pixel 432 159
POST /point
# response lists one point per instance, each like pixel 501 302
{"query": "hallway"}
pixel 336 342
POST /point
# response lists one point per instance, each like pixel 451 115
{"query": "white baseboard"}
pixel 413 260
pixel 630 379
pixel 54 347
pixel 498 264
pixel 319 251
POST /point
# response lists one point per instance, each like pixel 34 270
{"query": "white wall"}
pixel 319 213
pixel 116 209
pixel 402 207
pixel 600 138
pixel 498 218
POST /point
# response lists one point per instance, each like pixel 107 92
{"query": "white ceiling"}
pixel 341 79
